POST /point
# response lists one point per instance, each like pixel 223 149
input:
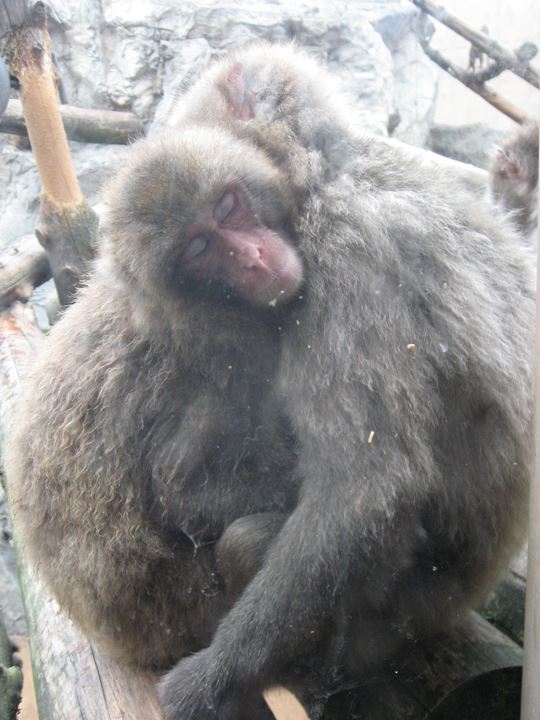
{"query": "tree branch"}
pixel 491 47
pixel 82 125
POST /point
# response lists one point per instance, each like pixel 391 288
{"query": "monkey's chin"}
pixel 279 288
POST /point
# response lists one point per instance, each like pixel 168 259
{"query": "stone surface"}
pixel 473 144
pixel 138 56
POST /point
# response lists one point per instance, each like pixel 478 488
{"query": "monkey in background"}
pixel 151 421
pixel 477 56
pixel 514 179
pixel 406 368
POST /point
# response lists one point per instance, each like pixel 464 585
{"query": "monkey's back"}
pixel 85 472
pixel 422 298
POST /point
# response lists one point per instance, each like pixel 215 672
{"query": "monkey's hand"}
pixel 196 689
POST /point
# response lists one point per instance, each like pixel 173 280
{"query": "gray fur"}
pixel 404 364
pixel 150 422
pixel 407 373
pixel 514 179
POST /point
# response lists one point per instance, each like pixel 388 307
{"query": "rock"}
pixel 139 56
pixel 473 144
pixel 19 205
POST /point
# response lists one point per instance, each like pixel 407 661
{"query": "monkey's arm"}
pixel 371 406
pixel 283 613
pixel 353 487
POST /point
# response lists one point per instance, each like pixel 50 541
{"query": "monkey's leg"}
pixel 240 554
pixel 242 549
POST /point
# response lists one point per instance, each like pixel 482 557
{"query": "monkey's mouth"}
pixel 273 282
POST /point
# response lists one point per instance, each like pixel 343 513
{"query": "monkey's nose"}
pixel 250 257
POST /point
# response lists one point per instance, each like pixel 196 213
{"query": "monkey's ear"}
pixel 237 96
pixel 510 165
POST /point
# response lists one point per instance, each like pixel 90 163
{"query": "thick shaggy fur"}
pixel 407 374
pixel 150 422
pixel 404 366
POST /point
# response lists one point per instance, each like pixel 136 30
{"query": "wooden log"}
pixel 82 125
pixel 68 226
pixel 22 268
pixel 491 47
pixel 429 675
pixel 284 705
pixel 505 605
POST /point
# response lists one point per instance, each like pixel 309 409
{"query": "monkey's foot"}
pixel 190 691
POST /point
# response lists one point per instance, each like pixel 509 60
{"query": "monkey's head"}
pixel 203 214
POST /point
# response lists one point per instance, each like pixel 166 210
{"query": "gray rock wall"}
pixel 137 56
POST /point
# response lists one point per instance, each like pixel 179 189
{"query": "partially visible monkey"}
pixel 477 56
pixel 151 421
pixel 407 372
pixel 514 178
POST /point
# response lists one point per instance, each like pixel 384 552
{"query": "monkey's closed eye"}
pixel 196 247
pixel 224 207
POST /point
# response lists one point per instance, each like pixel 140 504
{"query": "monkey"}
pixel 477 56
pixel 513 178
pixel 152 420
pixel 406 371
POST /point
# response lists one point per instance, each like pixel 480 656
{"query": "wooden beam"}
pixel 284 705
pixel 82 125
pixel 22 268
pixel 481 40
pixel 68 226
pixel 28 709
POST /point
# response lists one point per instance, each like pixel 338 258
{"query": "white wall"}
pixel 511 23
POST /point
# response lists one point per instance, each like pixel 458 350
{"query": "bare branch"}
pixel 83 125
pixel 509 59
pixel 469 80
